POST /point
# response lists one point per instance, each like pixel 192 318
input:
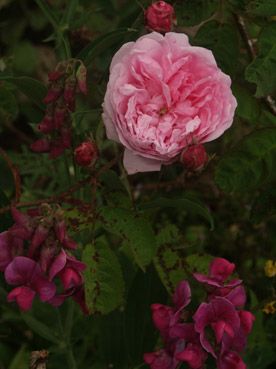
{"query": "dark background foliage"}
pixel 149 230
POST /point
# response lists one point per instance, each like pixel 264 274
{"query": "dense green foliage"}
pixel 141 234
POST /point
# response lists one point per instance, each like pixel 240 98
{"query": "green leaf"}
pixel 40 328
pixel 21 359
pixel 248 107
pixel 104 42
pixel 8 104
pixel 262 70
pixel 190 13
pixel 249 164
pixel 134 229
pixel 170 263
pixel 262 7
pixel 30 87
pixel 190 205
pixel 104 284
pixel 25 58
pixel 223 40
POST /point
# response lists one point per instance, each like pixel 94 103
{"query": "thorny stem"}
pixel 15 173
pixel 63 195
pixel 252 53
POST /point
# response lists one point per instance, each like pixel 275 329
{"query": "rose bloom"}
pixel 162 96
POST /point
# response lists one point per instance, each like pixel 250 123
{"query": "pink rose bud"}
pixel 41 145
pixel 160 17
pixel 194 157
pixel 81 79
pixel 54 75
pixel 86 154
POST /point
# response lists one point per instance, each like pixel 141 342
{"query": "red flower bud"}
pixel 46 125
pixel 194 157
pixel 160 17
pixel 59 117
pixel 54 75
pixel 81 79
pixel 86 154
pixel 53 94
pixel 41 145
pixel 69 93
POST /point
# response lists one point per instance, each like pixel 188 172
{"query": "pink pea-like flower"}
pixel 160 17
pixel 164 95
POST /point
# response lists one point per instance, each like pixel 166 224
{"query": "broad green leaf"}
pixel 8 104
pixel 262 70
pixel 248 107
pixel 104 284
pixel 262 7
pixel 249 164
pixel 185 204
pixel 25 58
pixel 223 40
pixel 104 42
pixel 30 87
pixel 190 13
pixel 21 359
pixel 40 328
pixel 135 230
pixel 170 262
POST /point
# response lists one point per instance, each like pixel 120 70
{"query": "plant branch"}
pixel 15 173
pixel 63 195
pixel 252 53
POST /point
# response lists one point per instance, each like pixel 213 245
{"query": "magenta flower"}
pixel 221 316
pixel 27 275
pixel 219 271
pixel 160 360
pixel 182 295
pixel 193 355
pixel 230 360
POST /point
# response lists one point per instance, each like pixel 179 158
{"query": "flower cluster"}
pixel 35 256
pixel 219 327
pixel 68 79
pixel 160 17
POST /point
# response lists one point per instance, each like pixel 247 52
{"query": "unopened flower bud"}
pixel 53 94
pixel 160 17
pixel 59 117
pixel 54 75
pixel 41 145
pixel 86 154
pixel 81 79
pixel 69 93
pixel 46 125
pixel 194 157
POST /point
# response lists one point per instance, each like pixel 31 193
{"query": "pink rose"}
pixel 162 96
pixel 160 17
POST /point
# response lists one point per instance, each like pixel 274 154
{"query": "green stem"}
pixel 65 335
pixel 61 39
